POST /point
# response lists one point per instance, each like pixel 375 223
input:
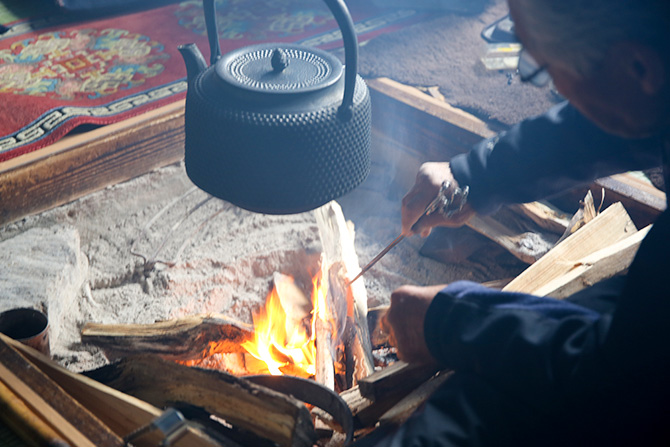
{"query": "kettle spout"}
pixel 195 62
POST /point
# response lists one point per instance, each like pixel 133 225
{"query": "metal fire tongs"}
pixel 447 204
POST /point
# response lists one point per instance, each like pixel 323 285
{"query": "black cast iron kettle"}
pixel 277 128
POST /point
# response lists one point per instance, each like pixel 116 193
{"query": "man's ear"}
pixel 645 65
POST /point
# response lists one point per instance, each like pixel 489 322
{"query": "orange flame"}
pixel 282 342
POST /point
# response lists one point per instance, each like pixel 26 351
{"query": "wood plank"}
pixel 121 412
pixel 64 414
pixel 260 410
pixel 83 163
pixel 179 339
pixel 610 226
pixel 598 266
pixel 420 121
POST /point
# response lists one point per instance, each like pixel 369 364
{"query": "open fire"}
pixel 284 338
pixel 281 340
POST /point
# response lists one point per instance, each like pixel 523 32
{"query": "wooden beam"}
pixel 412 122
pixel 86 162
pixel 431 127
pixel 610 226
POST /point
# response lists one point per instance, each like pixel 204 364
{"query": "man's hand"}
pixel 425 189
pixel 404 322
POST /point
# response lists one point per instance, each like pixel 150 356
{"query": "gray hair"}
pixel 581 32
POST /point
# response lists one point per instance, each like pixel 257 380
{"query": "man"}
pixel 593 369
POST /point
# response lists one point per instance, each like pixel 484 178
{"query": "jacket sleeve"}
pixel 527 346
pixel 543 156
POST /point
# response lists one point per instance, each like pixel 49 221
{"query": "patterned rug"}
pixel 56 74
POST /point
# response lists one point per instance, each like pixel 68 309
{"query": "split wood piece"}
pixel 397 376
pixel 120 412
pixel 585 214
pixel 327 325
pixel 185 338
pixel 598 266
pixel 337 241
pixel 24 422
pixel 401 411
pixel 368 412
pixel 267 413
pixel 610 226
pixel 523 245
pixel 544 215
pixel 67 417
pixel 81 164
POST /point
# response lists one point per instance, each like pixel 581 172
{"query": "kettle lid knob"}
pixel 279 60
pixel 272 69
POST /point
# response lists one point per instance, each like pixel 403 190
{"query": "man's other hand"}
pixel 404 322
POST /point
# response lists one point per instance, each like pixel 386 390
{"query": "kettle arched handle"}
pixel 341 13
pixel 343 18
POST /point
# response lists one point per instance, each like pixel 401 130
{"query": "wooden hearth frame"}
pixel 423 128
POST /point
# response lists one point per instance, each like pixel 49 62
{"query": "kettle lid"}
pixel 279 69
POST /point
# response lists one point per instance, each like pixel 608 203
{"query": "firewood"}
pixel 600 265
pixel 328 330
pixel 399 375
pixel 401 411
pixel 180 339
pixel 527 246
pixel 120 412
pixel 269 414
pixel 339 253
pixel 67 417
pixel 610 226
pixel 25 422
pixel 543 214
pixel 585 214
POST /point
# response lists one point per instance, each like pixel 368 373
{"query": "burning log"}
pixel 340 256
pixel 269 414
pixel 181 339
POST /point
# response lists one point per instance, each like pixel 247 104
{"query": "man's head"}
pixel 610 58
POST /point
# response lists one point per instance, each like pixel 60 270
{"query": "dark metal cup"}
pixel 28 326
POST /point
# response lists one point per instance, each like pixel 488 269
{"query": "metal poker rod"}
pixel 442 202
pixel 381 254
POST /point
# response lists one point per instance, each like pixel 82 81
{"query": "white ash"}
pixel 220 259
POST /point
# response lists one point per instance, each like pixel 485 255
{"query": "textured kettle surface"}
pixel 274 162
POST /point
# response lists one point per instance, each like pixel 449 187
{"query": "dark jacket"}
pixel 608 370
